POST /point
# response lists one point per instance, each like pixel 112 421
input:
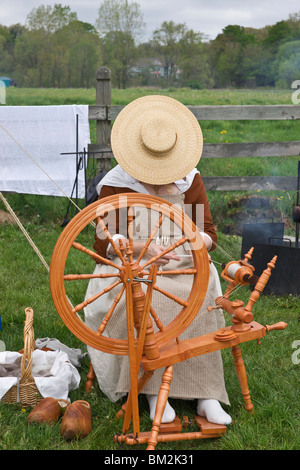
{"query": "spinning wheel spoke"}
pixel 76 277
pixel 175 272
pixel 151 236
pixel 164 252
pixel 94 255
pixel 110 312
pixel 109 237
pixel 171 296
pixel 95 297
pixel 158 322
pixel 130 219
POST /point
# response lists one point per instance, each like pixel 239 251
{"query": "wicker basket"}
pixel 25 392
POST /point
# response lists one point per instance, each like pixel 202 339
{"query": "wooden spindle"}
pixel 260 285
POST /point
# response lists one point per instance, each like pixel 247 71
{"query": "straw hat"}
pixel 157 140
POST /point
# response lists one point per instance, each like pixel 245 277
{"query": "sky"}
pixel 203 16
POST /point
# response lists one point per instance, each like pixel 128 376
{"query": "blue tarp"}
pixel 7 81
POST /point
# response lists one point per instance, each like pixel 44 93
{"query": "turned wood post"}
pixel 90 379
pixel 160 406
pixel 103 127
pixel 242 376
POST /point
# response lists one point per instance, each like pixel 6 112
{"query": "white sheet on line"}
pixel 45 133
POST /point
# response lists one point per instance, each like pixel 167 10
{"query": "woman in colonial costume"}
pixel 157 143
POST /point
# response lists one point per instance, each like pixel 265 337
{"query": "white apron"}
pixel 199 377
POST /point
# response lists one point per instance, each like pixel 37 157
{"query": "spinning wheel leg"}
pixel 90 379
pixel 242 376
pixel 160 406
pixel 127 407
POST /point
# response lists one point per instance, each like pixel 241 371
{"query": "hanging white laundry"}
pixel 44 133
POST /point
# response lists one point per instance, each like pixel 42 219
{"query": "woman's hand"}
pixel 152 251
pixel 155 250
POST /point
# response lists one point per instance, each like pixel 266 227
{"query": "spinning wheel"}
pixel 129 273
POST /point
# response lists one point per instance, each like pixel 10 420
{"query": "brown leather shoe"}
pixel 77 420
pixel 48 410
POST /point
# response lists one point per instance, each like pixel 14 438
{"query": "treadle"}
pixel 209 428
pixel 168 428
pixel 205 426
pixel 169 432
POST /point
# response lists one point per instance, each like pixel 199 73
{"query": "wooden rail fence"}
pixel 104 113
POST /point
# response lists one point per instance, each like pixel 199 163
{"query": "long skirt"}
pixel 198 377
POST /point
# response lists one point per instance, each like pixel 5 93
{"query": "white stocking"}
pixel 212 411
pixel 169 414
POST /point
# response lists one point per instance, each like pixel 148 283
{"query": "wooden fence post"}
pixel 103 128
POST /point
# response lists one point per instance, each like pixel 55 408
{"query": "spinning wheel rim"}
pixel 64 243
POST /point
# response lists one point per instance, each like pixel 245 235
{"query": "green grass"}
pixel 273 377
pixel 52 96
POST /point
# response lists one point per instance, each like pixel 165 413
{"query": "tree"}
pixel 120 24
pixel 229 55
pixel 236 33
pixel 7 43
pixel 39 48
pixel 49 18
pixel 278 33
pixel 118 52
pixel 33 59
pixel 120 16
pixel 83 53
pixel 194 61
pixel 58 50
pixel 286 65
pixel 167 42
pixel 294 24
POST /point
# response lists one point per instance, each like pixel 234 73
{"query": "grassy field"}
pixel 272 366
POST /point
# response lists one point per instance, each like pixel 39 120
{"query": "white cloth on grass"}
pixel 53 374
pixel 44 132
pixel 75 355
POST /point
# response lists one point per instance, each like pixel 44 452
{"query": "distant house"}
pixel 154 66
pixel 7 81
